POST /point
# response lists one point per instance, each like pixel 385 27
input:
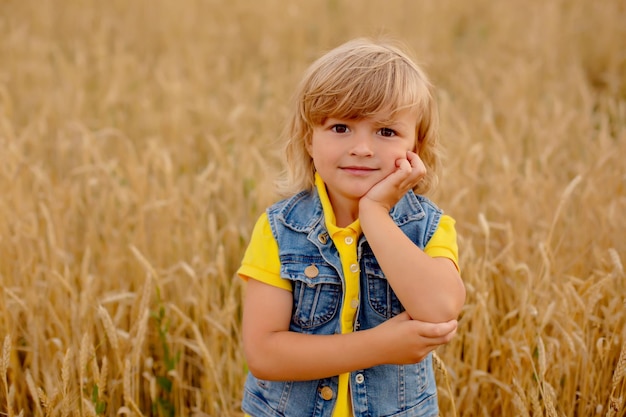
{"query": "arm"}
pixel 275 353
pixel 429 288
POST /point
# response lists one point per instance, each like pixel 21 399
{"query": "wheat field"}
pixel 139 143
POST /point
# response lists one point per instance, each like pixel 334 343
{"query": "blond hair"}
pixel 359 79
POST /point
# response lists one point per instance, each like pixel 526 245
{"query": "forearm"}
pixel 275 353
pixel 290 356
pixel 429 288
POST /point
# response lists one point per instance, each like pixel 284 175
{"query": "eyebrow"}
pixel 391 123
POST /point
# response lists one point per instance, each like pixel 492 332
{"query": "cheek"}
pixel 399 153
pixel 390 165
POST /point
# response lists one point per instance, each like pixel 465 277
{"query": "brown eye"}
pixel 386 132
pixel 339 128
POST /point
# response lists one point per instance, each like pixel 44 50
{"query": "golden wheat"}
pixel 140 142
pixel 5 363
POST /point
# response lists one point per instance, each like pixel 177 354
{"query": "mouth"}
pixel 358 170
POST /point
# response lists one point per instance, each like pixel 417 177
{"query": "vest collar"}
pixel 303 212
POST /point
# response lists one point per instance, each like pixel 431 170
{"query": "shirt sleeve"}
pixel 443 243
pixel 261 260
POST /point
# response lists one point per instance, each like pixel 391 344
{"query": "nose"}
pixel 361 145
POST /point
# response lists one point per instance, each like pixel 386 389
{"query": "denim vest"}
pixel 387 390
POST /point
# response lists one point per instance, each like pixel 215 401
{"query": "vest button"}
pixel 359 378
pixel 311 271
pixel 323 238
pixel 326 393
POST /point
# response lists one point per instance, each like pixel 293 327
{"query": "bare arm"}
pixel 430 289
pixel 275 353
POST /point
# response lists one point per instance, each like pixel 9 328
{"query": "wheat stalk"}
pixel 565 196
pixel 5 362
pixel 111 332
pixel 549 398
pixel 534 401
pixel 518 401
pixel 83 355
pixel 541 357
pixel 33 390
pixel 128 388
pixel 615 403
pixel 11 400
pixel 102 383
pixel 45 403
pixel 66 371
pixel 441 367
pixel 88 408
pixel 618 267
pixel 143 316
pixel 620 369
pixel 126 382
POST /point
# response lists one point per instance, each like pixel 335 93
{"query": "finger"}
pixel 404 165
pixel 440 340
pixel 415 160
pixel 449 327
pixel 447 338
pixel 439 330
pixel 418 169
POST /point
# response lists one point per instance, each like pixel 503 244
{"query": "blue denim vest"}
pixel 387 390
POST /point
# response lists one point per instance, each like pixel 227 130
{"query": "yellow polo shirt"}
pixel 261 262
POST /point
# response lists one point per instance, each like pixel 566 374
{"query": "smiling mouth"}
pixel 357 170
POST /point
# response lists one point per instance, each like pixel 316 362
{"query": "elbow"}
pixel 257 368
pixel 457 301
pixel 260 364
pixel 254 362
pixel 259 372
pixel 451 306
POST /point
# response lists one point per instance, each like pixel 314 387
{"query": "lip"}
pixel 358 170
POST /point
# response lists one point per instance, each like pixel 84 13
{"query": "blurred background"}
pixel 140 140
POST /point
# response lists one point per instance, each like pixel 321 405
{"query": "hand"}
pixel 408 341
pixel 409 171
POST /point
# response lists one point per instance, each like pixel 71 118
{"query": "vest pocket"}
pixel 316 290
pixel 266 398
pixel 380 295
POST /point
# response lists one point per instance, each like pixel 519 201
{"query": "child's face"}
pixel 351 156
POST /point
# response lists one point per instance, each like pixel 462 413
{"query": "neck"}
pixel 346 212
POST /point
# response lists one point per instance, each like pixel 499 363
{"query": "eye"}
pixel 339 128
pixel 386 132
